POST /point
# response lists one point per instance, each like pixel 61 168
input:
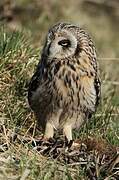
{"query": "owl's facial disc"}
pixel 63 45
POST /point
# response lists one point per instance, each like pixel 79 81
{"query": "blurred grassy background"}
pixel 24 24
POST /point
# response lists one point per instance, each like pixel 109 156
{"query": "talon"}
pixel 68 143
pixel 51 140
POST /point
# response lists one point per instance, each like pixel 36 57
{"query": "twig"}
pixel 4 130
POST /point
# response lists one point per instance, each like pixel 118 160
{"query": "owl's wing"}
pixel 39 95
pixel 35 81
pixel 97 85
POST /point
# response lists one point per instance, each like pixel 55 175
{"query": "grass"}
pixel 19 54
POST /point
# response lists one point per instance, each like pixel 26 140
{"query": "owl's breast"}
pixel 74 88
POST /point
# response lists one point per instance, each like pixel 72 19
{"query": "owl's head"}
pixel 61 42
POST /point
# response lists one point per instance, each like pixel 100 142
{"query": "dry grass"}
pixel 19 53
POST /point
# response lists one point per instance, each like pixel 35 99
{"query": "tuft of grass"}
pixel 16 61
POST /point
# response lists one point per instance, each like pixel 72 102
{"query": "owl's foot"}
pixel 48 141
pixel 68 143
pixel 44 145
pixel 71 144
pixel 49 131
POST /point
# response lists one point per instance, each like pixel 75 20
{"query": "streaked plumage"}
pixel 65 89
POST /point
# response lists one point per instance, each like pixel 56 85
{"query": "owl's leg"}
pixel 52 124
pixel 49 131
pixel 67 130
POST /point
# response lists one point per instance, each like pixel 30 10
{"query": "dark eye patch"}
pixel 64 43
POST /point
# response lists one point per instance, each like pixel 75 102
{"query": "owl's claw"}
pixel 71 144
pixel 68 143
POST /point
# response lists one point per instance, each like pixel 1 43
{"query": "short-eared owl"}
pixel 65 89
